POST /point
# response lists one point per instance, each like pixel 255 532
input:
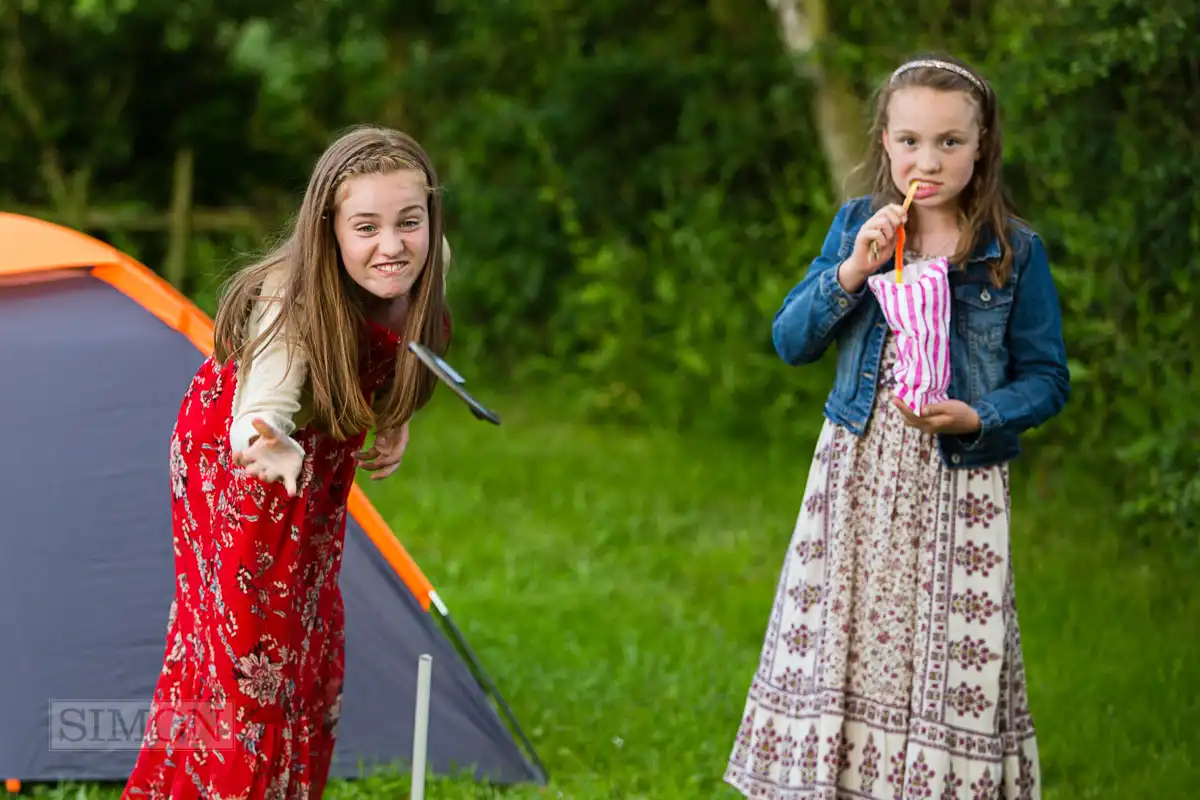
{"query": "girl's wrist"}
pixel 851 274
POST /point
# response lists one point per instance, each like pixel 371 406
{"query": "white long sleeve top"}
pixel 269 387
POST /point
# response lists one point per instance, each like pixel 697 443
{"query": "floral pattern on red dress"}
pixel 249 696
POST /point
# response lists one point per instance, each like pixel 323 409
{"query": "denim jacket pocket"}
pixel 982 312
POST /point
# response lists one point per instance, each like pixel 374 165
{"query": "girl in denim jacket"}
pixel 892 661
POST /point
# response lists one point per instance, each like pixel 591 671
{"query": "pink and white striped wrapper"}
pixel 919 314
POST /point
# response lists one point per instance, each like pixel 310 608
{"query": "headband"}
pixel 938 64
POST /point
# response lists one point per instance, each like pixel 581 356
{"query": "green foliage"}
pixel 1101 133
pixel 633 189
pixel 627 212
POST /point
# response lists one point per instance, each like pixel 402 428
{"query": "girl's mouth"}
pixel 391 268
pixel 927 189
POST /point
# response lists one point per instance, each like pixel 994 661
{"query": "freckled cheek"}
pixel 902 164
pixel 964 168
pixel 417 242
pixel 357 255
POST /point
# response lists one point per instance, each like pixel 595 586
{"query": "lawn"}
pixel 616 585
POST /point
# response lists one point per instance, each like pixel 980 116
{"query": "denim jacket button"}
pixel 842 302
pixel 985 295
pixel 956 458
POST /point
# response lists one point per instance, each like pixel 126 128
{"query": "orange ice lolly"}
pixel 900 234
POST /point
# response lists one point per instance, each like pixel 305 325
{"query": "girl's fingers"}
pixel 880 239
pixel 264 430
pixel 383 473
pixel 909 417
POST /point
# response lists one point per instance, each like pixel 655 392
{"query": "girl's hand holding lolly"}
pixel 864 260
pixel 898 231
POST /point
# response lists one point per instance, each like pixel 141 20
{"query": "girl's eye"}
pixel 951 142
pixel 408 223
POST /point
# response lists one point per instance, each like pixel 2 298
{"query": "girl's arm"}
pixel 806 324
pixel 270 388
pixel 1041 382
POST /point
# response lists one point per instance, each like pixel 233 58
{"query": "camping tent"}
pixel 95 353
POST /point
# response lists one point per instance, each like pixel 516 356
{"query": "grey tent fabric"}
pixel 91 383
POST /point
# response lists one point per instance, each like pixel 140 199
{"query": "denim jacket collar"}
pixel 986 250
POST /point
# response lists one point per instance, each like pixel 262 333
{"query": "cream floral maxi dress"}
pixel 892 662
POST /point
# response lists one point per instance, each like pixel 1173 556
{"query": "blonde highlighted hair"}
pixel 319 307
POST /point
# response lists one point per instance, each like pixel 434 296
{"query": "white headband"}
pixel 936 64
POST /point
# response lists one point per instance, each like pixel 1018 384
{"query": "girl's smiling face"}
pixel 382 230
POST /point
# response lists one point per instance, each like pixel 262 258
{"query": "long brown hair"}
pixel 319 306
pixel 984 206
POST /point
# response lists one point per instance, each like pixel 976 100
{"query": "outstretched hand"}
pixel 386 453
pixel 272 457
pixel 950 416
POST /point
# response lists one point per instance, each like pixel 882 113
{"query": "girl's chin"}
pixel 391 292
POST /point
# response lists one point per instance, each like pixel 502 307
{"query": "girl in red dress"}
pixel 262 459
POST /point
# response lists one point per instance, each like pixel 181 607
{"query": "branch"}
pixel 800 31
pixel 132 218
pixel 804 28
pixel 14 81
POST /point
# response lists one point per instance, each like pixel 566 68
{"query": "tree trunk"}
pixel 180 219
pixel 837 109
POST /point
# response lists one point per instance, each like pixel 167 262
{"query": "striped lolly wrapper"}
pixel 918 312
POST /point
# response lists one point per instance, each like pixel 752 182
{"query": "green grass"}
pixel 616 586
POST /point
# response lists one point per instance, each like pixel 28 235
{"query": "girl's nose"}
pixel 928 162
pixel 391 243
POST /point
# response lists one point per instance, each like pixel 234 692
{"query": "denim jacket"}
pixel 1007 358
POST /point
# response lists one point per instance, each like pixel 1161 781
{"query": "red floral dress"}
pixel 249 695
